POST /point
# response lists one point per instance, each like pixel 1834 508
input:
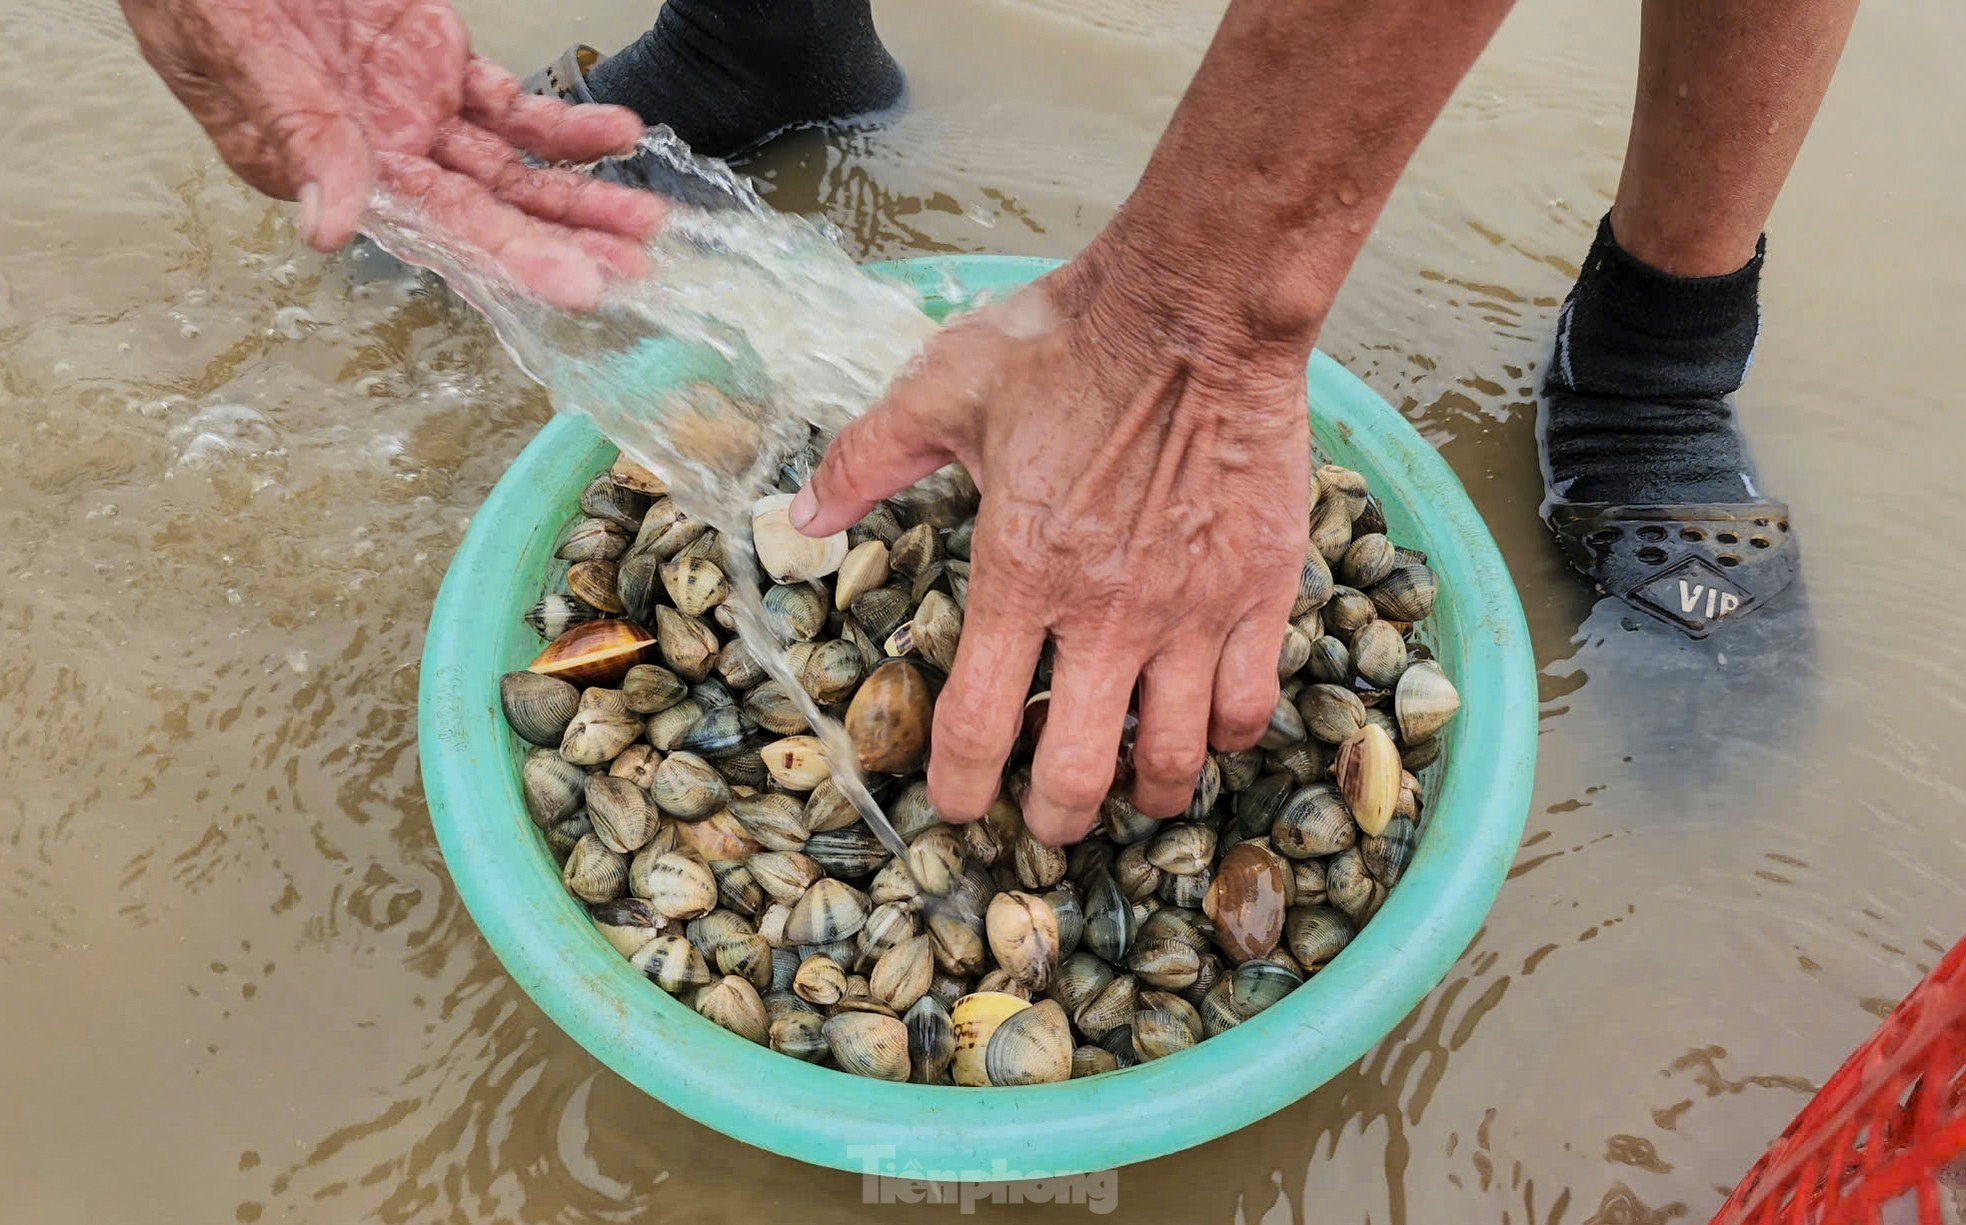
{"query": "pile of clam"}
pixel 693 811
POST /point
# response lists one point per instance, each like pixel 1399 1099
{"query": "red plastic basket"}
pixel 1888 1129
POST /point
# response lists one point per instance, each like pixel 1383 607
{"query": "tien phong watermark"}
pixel 883 1181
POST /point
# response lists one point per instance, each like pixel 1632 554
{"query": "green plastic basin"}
pixel 508 881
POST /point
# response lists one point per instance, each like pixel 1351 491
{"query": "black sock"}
pixel 727 74
pixel 1635 399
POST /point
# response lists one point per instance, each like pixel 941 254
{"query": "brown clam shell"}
pixel 596 652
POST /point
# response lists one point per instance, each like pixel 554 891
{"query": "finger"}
pixel 1075 759
pixel 545 127
pixel 1246 686
pixel 888 449
pixel 980 709
pixel 563 196
pixel 1169 750
pixel 565 268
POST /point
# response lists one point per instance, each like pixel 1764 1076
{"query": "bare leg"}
pixel 1726 92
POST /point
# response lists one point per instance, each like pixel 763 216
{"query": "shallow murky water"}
pixel 237 986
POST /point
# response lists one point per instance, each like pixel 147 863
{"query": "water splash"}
pixel 753 334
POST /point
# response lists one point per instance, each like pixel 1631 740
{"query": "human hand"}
pixel 1144 465
pixel 323 100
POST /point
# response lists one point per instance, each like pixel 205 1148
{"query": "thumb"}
pixel 884 452
pixel 329 159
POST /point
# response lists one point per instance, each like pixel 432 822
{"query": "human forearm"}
pixel 1278 160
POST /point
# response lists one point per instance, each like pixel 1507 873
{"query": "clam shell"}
pixel 630 475
pixel 1342 487
pixel 1110 1008
pixel 1182 848
pixel 931 1040
pixel 695 586
pixel 604 499
pixel 796 763
pixel 593 540
pixel 914 550
pixel 1093 1060
pixel 593 873
pixel 621 813
pixel 1124 823
pixel 1023 936
pixel 889 719
pixel 772 820
pixel 627 923
pixel 1314 822
pixel 771 708
pixel 1305 763
pixel 592 583
pixel 1330 661
pixel 888 924
pixel 688 787
pixel 552 786
pixel 1331 713
pixel 785 875
pixel 868 1044
pixel 1349 608
pixel 637 584
pixel 1378 654
pixel 689 647
pixel 903 973
pixel 1164 963
pixel 595 652
pixel 881 611
pixel 1313 586
pixel 734 1003
pixel 1245 902
pixel 864 569
pixel 1137 878
pixel 738 667
pixel 719 733
pixel 1286 726
pixel 795 614
pixel 1405 594
pixel 1295 652
pixel 1080 977
pixel 1037 866
pixel 851 852
pixel 749 958
pixel 738 888
pixel 1261 803
pixel 718 836
pixel 1178 924
pixel 1367 772
pixel 800 1035
pixel 1316 934
pixel 1387 853
pixel 1331 531
pixel 673 964
pixel 936 858
pixel 820 981
pixel 1255 986
pixel 881 523
pixel 831 671
pixel 1423 703
pixel 1368 559
pixel 601 727
pixel 830 910
pixel 827 809
pixel 1109 925
pixel 1348 884
pixel 976 1017
pixel 1032 1046
pixel 555 614
pixel 681 886
pixel 650 689
pixel 786 553
pixel 666 728
pixel 1158 1033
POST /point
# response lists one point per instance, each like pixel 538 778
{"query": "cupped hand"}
pixel 1144 477
pixel 324 100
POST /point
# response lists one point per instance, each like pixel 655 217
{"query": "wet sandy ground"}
pixel 234 982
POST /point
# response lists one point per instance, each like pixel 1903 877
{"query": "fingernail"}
pixel 309 219
pixel 804 508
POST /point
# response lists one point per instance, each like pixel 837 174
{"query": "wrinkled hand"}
pixel 322 100
pixel 1143 505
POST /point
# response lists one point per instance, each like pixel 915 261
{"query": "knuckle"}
pixel 965 727
pixel 1169 762
pixel 1077 785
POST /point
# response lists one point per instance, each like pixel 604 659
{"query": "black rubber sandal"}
pixel 1692 567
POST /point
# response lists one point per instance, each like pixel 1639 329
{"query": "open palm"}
pixel 324 101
